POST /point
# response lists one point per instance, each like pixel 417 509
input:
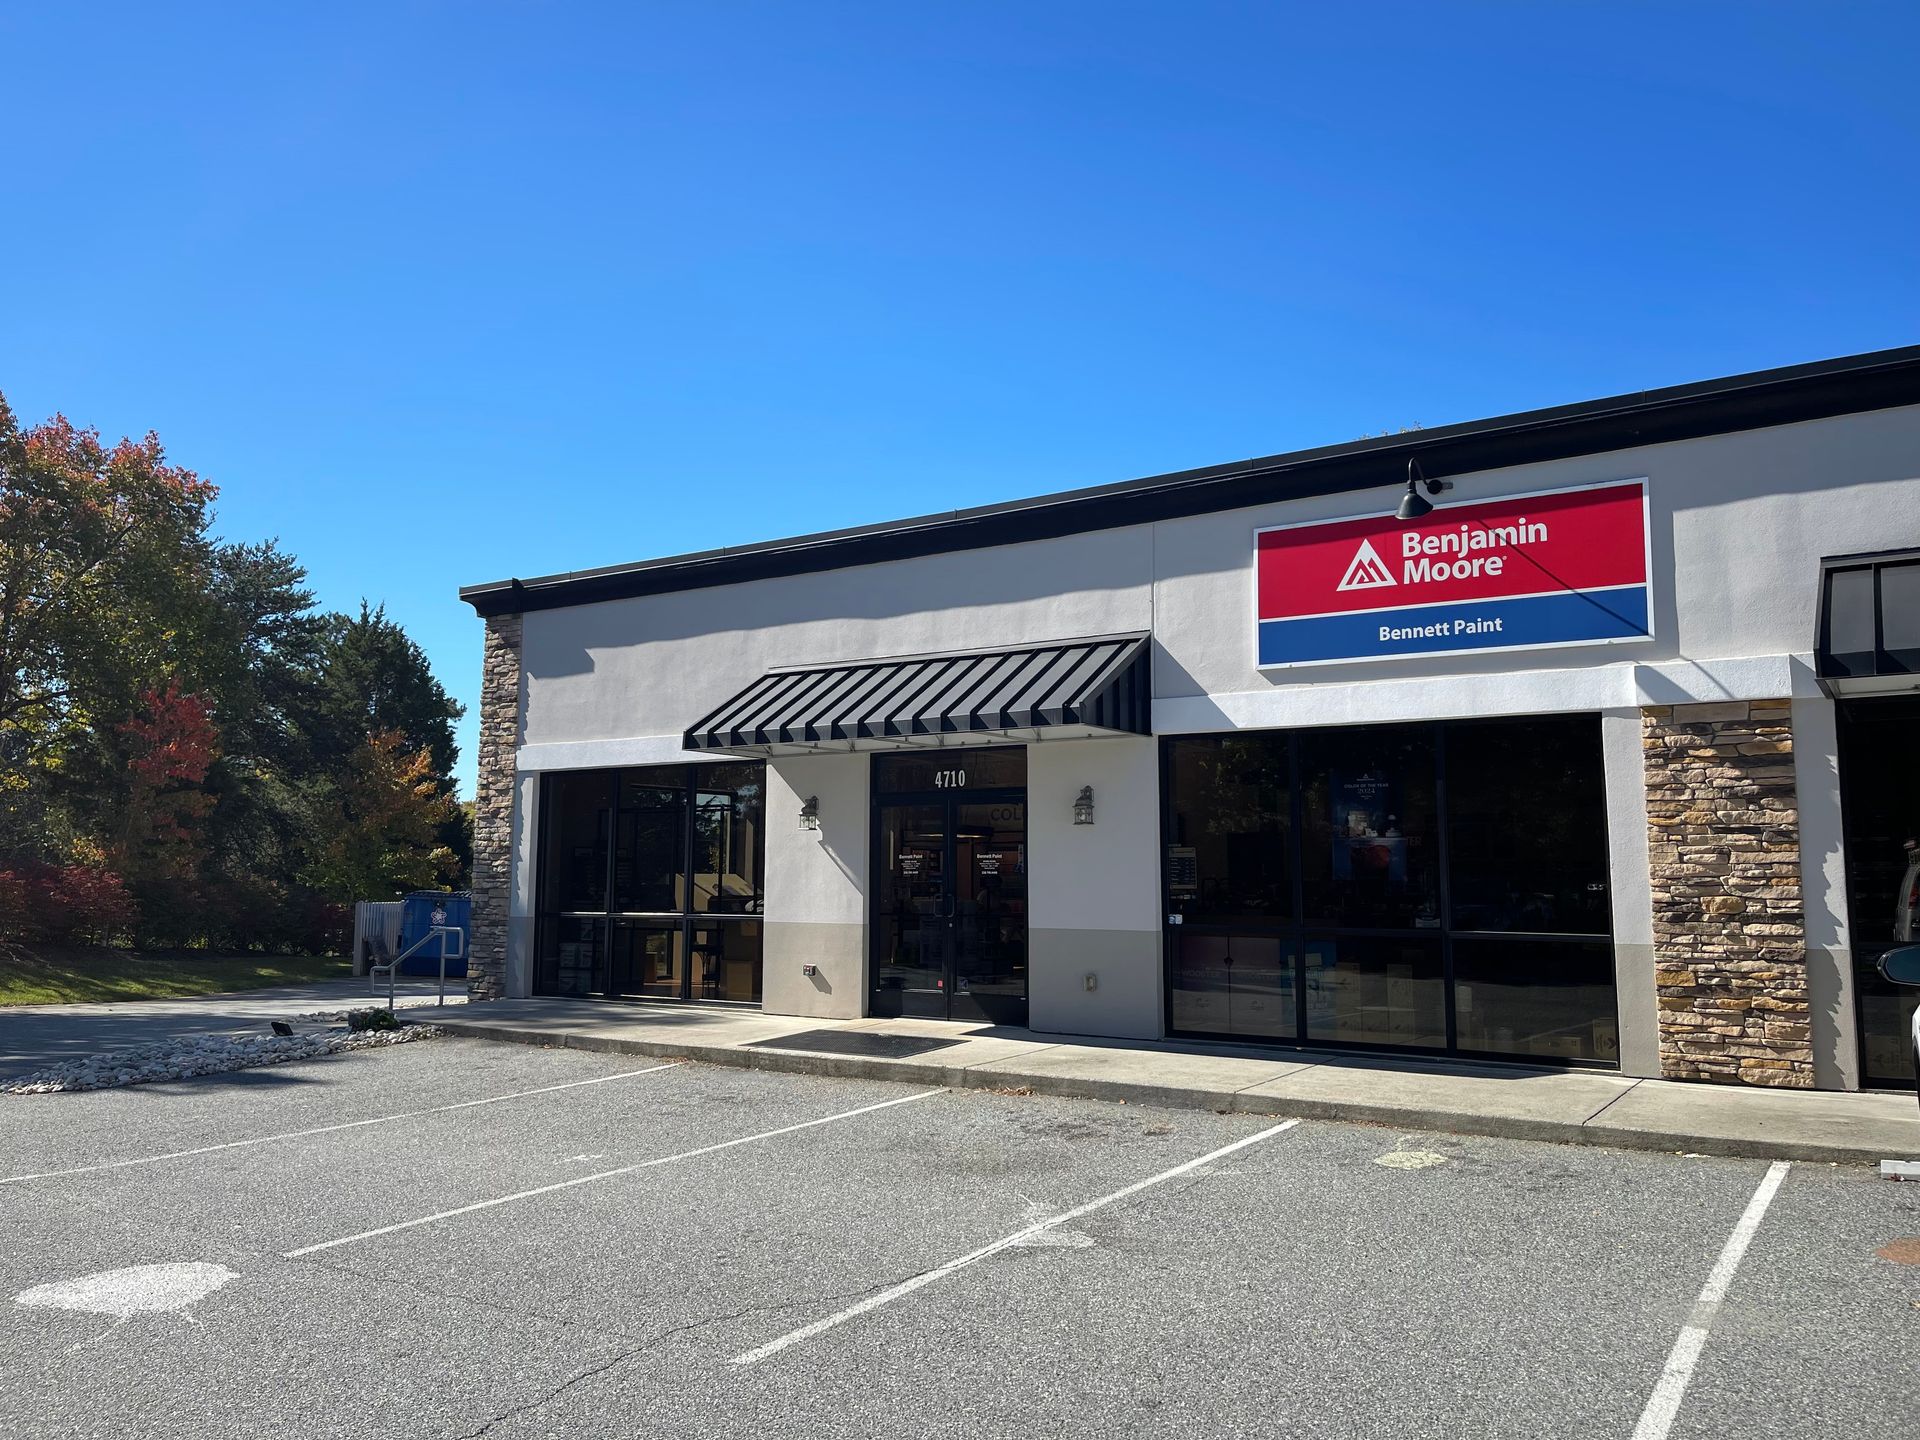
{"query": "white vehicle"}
pixel 1902 967
pixel 1906 900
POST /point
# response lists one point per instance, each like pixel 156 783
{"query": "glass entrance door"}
pixel 910 913
pixel 987 949
pixel 950 901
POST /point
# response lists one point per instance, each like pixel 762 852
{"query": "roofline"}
pixel 1850 385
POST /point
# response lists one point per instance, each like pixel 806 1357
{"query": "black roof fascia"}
pixel 1852 385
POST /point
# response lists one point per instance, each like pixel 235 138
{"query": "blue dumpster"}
pixel 419 913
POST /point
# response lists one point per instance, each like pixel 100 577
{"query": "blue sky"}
pixel 446 293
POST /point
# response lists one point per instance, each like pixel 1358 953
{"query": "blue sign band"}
pixel 1572 617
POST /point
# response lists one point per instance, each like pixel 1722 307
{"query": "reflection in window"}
pixel 620 906
pixel 570 956
pixel 1227 844
pixel 1233 985
pixel 1900 618
pixel 728 847
pixel 1369 855
pixel 1529 997
pixel 1880 802
pixel 726 961
pixel 647 959
pixel 650 840
pixel 1371 991
pixel 1526 826
pixel 1352 821
pixel 579 804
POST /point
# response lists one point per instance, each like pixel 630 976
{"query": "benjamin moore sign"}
pixel 1563 567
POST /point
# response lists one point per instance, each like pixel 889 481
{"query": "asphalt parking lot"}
pixel 644 1249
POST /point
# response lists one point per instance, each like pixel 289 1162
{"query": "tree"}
pixel 161 853
pixel 383 825
pixel 373 679
pixel 177 714
pixel 102 558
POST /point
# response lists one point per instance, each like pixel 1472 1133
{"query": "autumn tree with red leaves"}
pixel 190 751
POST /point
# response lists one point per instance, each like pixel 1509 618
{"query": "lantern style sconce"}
pixel 810 813
pixel 1083 806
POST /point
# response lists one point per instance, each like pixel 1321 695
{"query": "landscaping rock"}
pixel 192 1055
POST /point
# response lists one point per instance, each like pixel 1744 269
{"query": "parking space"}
pixel 454 1238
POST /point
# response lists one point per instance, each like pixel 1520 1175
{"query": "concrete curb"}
pixel 1446 1121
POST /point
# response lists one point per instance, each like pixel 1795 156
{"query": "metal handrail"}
pixel 440 932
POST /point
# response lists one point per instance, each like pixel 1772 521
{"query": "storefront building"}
pixel 1601 750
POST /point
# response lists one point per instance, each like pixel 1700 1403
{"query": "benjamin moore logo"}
pixel 1367 572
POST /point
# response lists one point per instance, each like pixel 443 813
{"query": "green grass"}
pixel 65 977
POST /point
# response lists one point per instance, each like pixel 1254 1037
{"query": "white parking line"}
pixel 1664 1404
pixel 329 1129
pixel 603 1175
pixel 1018 1237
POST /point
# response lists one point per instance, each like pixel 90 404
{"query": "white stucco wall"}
pixel 1739 523
pixel 1094 890
pixel 816 907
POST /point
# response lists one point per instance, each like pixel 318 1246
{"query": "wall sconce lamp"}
pixel 810 813
pixel 1083 806
pixel 1414 505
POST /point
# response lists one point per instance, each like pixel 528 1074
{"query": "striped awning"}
pixel 1068 687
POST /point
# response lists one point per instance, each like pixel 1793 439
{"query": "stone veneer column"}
pixel 493 808
pixel 1729 930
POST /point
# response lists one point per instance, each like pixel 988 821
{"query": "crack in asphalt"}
pixel 647 1342
pixel 407 1282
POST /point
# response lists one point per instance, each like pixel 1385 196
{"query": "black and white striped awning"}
pixel 1066 688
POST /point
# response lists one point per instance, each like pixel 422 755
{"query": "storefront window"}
pixel 1524 997
pixel 570 956
pixel 1524 851
pixel 650 838
pixel 1228 829
pixel 1376 991
pixel 577 830
pixel 727 841
pixel 1233 985
pixel 1463 862
pixel 1880 800
pixel 648 879
pixel 1370 842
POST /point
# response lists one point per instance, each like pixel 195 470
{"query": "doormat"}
pixel 865 1044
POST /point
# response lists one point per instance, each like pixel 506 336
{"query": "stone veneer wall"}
pixel 493 808
pixel 1729 930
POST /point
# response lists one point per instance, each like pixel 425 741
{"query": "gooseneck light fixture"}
pixel 1414 505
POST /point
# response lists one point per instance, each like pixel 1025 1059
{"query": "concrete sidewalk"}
pixel 1582 1107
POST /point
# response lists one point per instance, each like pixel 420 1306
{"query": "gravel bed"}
pixel 192 1055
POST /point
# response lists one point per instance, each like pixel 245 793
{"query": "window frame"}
pixel 682 921
pixel 1297 933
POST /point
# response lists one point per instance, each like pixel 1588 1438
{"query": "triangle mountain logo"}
pixel 1367 571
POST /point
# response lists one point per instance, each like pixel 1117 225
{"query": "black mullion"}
pixel 949 862
pixel 1882 662
pixel 1296 847
pixel 1444 821
pixel 616 781
pixel 690 789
